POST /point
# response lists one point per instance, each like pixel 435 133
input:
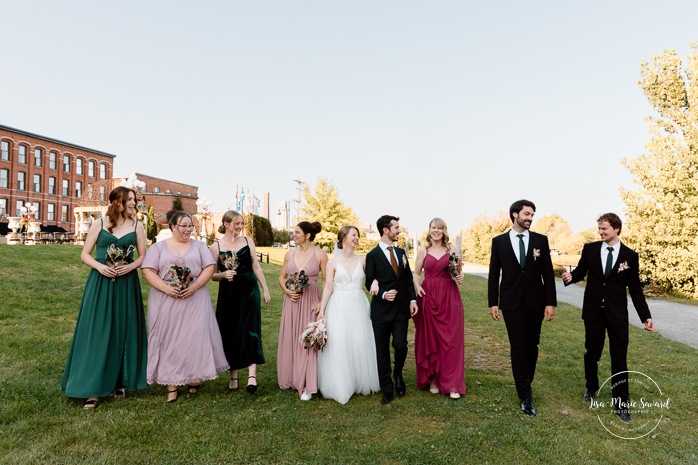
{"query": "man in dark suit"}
pixel 610 268
pixel 389 279
pixel 526 294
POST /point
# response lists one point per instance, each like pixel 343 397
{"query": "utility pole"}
pixel 298 200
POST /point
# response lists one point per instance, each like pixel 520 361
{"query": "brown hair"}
pixel 174 218
pixel 118 198
pixel 439 223
pixel 310 228
pixel 612 219
pixel 343 233
pixel 228 217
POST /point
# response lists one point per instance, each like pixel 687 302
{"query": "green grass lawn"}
pixel 40 292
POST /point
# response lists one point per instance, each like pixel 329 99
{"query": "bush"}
pixel 259 228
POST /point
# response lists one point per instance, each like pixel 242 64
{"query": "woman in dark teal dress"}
pixel 108 353
pixel 239 309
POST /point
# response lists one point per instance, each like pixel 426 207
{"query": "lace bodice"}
pixel 344 282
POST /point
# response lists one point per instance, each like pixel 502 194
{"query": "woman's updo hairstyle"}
pixel 344 232
pixel 118 198
pixel 310 228
pixel 228 217
pixel 173 219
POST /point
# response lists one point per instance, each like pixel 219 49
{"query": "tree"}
pixel 477 239
pixel 152 226
pixel 662 213
pixel 280 235
pixel 325 207
pixel 554 227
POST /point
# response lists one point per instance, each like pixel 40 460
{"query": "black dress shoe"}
pixel 589 396
pixel 528 408
pixel 400 387
pixel 624 416
pixel 386 399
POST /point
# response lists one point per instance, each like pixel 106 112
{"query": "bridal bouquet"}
pixel 118 256
pixel 314 336
pixel 453 265
pixel 178 276
pixel 229 260
pixel 297 282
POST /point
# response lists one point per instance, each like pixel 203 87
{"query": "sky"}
pixel 410 108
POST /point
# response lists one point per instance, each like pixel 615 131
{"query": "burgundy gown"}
pixel 439 346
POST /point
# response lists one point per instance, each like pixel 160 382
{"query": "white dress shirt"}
pixel 604 254
pixel 515 242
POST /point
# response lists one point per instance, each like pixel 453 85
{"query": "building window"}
pixel 89 191
pixel 156 190
pixel 78 189
pixel 102 171
pixel 91 169
pixel 78 166
pixel 66 163
pixel 51 212
pixel 37 183
pixel 38 155
pixel 102 193
pixel 5 151
pixel 37 215
pixel 3 207
pixel 21 180
pixel 18 205
pixel 4 178
pixel 66 188
pixel 52 185
pixel 65 211
pixel 52 159
pixel 22 154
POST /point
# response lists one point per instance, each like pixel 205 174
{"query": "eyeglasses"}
pixel 186 226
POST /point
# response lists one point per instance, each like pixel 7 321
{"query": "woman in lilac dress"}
pixel 184 343
pixel 296 367
pixel 439 335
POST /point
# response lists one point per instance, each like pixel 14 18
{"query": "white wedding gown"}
pixel 348 364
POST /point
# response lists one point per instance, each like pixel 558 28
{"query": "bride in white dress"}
pixel 347 365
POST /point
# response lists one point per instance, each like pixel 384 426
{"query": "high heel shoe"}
pixel 233 384
pixel 193 388
pixel 176 392
pixel 252 388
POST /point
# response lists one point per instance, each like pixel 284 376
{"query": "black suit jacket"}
pixel 533 286
pixel 378 267
pixel 610 292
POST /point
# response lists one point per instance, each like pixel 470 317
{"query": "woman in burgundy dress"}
pixel 439 345
pixel 296 367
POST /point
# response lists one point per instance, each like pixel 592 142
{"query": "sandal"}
pixel 233 384
pixel 193 388
pixel 90 404
pixel 120 393
pixel 175 391
pixel 252 388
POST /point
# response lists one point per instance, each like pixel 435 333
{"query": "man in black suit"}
pixel 392 305
pixel 526 294
pixel 610 268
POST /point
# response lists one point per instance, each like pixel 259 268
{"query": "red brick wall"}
pixel 162 200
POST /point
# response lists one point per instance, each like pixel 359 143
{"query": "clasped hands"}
pixel 390 296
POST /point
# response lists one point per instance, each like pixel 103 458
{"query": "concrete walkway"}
pixel 677 322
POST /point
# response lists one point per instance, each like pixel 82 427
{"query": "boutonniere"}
pixel 623 266
pixel 536 254
pixel 404 261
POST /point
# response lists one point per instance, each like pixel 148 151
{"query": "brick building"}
pixel 49 173
pixel 161 193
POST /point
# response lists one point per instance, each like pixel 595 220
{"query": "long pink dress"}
pixel 296 367
pixel 439 345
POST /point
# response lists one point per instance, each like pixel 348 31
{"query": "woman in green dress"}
pixel 108 353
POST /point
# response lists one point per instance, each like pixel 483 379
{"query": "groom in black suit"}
pixel 393 304
pixel 611 268
pixel 526 294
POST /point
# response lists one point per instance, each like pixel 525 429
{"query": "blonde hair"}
pixel 344 232
pixel 228 217
pixel 439 223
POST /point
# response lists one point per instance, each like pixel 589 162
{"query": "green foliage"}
pixel 280 235
pixel 662 212
pixel 325 207
pixel 560 235
pixel 477 239
pixel 41 287
pixel 152 226
pixel 259 229
pixel 177 204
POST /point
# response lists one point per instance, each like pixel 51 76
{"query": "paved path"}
pixel 677 322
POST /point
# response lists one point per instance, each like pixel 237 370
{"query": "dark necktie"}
pixel 393 260
pixel 522 250
pixel 609 262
